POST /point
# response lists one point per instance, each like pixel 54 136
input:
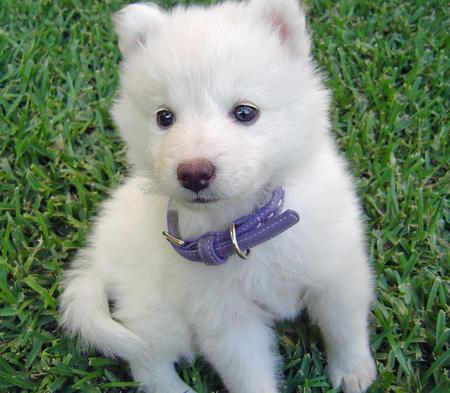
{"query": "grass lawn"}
pixel 387 66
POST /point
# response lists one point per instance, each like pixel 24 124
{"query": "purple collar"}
pixel 214 248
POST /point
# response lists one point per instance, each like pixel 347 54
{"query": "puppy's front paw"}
pixel 353 379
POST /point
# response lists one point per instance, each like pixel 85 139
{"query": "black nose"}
pixel 195 175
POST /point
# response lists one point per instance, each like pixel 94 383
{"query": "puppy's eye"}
pixel 245 113
pixel 165 118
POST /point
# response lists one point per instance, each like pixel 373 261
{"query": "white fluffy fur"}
pixel 200 63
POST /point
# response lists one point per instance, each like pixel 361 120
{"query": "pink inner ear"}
pixel 280 26
pixel 140 40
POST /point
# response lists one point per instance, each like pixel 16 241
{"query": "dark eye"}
pixel 245 113
pixel 165 118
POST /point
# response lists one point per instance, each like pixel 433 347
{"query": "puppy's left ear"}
pixel 286 18
pixel 135 24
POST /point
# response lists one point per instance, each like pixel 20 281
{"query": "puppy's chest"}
pixel 271 284
pixel 275 288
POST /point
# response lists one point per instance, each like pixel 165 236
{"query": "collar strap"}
pixel 214 248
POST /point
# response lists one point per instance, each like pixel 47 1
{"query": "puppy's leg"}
pixel 243 354
pixel 168 339
pixel 158 377
pixel 341 311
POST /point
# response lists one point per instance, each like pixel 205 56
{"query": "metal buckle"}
pixel 236 247
pixel 172 239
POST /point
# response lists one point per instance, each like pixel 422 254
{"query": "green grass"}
pixel 387 67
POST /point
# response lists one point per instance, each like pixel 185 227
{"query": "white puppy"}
pixel 220 105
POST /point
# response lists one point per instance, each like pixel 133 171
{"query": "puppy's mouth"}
pixel 204 198
pixel 203 201
pixel 207 200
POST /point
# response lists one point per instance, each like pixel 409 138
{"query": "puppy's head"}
pixel 218 103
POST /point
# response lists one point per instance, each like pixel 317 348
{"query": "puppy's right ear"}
pixel 133 25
